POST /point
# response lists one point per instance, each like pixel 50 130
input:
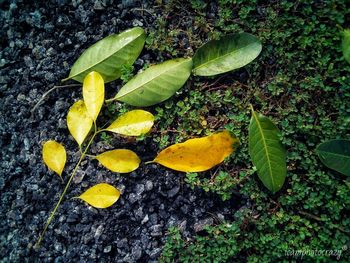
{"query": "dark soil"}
pixel 40 40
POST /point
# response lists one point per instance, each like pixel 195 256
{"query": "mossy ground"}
pixel 301 82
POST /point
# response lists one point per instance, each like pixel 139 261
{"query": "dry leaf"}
pixel 54 156
pixel 119 161
pixel 197 155
pixel 93 93
pixel 101 195
pixel 79 121
pixel 133 123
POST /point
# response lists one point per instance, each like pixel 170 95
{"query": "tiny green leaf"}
pixel 335 154
pixel 225 54
pixel 346 45
pixel 267 152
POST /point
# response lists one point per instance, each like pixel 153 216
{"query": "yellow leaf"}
pixel 119 161
pixel 54 156
pixel 133 123
pixel 101 195
pixel 79 121
pixel 197 155
pixel 93 93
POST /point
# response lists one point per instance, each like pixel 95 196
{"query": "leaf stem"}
pixel 64 191
pixel 51 90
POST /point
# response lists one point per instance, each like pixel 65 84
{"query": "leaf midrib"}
pixel 221 57
pixel 335 154
pixel 152 79
pixel 99 62
pixel 265 147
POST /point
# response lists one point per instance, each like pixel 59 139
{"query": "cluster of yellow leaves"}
pixel 194 155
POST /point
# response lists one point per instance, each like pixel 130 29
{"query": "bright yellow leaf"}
pixel 54 156
pixel 93 93
pixel 101 195
pixel 79 121
pixel 197 155
pixel 133 123
pixel 120 160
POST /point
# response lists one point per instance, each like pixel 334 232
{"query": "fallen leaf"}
pixel 101 195
pixel 79 121
pixel 93 93
pixel 120 160
pixel 197 155
pixel 54 156
pixel 133 123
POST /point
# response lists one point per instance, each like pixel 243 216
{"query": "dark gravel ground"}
pixel 39 42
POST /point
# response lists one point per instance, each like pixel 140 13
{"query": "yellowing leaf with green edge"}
pixel 93 93
pixel 101 195
pixel 132 123
pixel 54 156
pixel 79 121
pixel 197 155
pixel 119 161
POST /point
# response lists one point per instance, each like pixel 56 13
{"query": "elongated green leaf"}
pixel 108 55
pixel 226 54
pixel 132 123
pixel 156 84
pixel 267 152
pixel 335 154
pixel 346 45
pixel 93 93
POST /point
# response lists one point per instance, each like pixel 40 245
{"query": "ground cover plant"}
pixel 302 80
pixel 241 160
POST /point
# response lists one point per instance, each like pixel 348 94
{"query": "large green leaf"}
pixel 267 152
pixel 155 84
pixel 335 154
pixel 226 54
pixel 346 45
pixel 108 55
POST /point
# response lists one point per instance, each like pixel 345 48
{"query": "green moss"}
pixel 302 82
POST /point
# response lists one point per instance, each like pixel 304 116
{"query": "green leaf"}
pixel 226 54
pixel 108 55
pixel 267 152
pixel 335 154
pixel 346 45
pixel 156 84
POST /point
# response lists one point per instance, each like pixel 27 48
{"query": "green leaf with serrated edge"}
pixel 156 84
pixel 267 152
pixel 108 55
pixel 225 54
pixel 346 45
pixel 335 154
